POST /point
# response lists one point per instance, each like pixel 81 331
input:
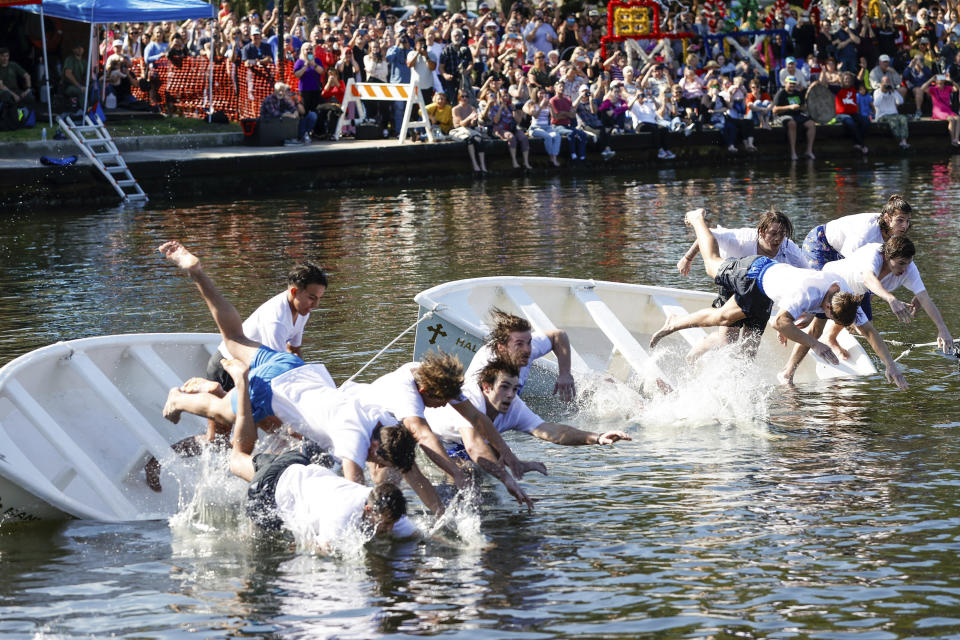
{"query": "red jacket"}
pixel 846 101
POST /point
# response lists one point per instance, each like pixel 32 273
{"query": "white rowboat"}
pixel 609 325
pixel 79 419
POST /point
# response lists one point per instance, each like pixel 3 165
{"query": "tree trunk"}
pixel 308 9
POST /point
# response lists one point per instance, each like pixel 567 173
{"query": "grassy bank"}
pixel 170 125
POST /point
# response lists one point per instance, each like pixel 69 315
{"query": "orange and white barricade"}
pixel 356 92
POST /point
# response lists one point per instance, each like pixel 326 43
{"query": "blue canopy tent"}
pixel 107 11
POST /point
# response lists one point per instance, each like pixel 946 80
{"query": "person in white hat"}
pixel 885 70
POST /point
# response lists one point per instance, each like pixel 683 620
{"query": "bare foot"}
pixel 784 377
pixel 811 156
pixel 664 387
pixel 170 412
pixel 202 385
pixel 236 368
pixel 843 353
pixel 664 331
pixel 693 215
pixel 178 255
pixel 794 157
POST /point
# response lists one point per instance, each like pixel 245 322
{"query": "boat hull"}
pixel 79 419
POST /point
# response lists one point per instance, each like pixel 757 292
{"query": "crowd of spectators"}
pixel 534 69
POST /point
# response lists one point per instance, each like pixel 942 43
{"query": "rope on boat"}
pixel 910 346
pixel 426 316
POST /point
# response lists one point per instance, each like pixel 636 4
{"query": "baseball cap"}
pixel 255 31
pixel 790 79
pixel 593 13
pixel 584 88
pixel 483 5
pixel 118 44
pixel 790 59
pixel 884 58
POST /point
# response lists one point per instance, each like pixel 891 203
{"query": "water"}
pixel 825 511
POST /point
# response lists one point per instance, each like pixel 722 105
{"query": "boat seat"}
pixel 670 306
pixel 621 338
pixel 85 467
pixel 166 376
pixel 540 320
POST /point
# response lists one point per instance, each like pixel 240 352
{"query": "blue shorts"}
pixel 816 250
pixel 266 365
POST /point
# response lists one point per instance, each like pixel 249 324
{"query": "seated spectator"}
pixel 590 123
pixel 736 96
pixel 830 75
pixel 916 77
pixel 120 77
pixel 563 118
pixel 759 106
pixel 15 83
pixel 669 113
pixel 692 88
pixel 643 111
pixel 848 112
pixel 886 99
pixel 538 108
pixel 330 107
pixel 789 105
pixel 940 89
pixel 790 69
pixel 441 115
pixel 714 108
pixel 72 82
pixel 466 128
pixel 280 104
pixel 503 123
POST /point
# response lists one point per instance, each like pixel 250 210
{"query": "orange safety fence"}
pixel 183 86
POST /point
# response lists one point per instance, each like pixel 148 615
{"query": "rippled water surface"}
pixel 823 511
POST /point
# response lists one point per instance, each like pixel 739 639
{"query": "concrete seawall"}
pixel 205 165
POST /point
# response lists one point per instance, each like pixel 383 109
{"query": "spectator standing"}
pixel 539 35
pixel 455 63
pixel 310 76
pixel 399 74
pixel 256 53
pixel 422 64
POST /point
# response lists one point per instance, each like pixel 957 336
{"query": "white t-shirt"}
pixel 798 291
pixel 421 74
pixel 273 325
pixel 320 507
pixel 870 258
pixel 740 243
pixel 307 399
pixel 446 421
pixel 540 346
pixel 849 233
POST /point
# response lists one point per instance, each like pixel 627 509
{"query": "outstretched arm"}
pixel 944 339
pixel 785 325
pixel 431 446
pixel 683 265
pixel 571 436
pixel 565 386
pixel 424 490
pixel 486 458
pixel 484 427
pixel 893 372
pixel 902 310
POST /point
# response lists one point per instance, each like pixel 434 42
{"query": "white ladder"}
pixel 95 142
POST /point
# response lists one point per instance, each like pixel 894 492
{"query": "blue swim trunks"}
pixel 267 364
pixel 457 450
pixel 816 250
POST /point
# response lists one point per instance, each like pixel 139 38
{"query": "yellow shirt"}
pixel 441 116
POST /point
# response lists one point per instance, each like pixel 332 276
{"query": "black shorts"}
pixel 755 325
pixel 217 373
pixel 735 275
pixel 262 492
pixel 799 118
